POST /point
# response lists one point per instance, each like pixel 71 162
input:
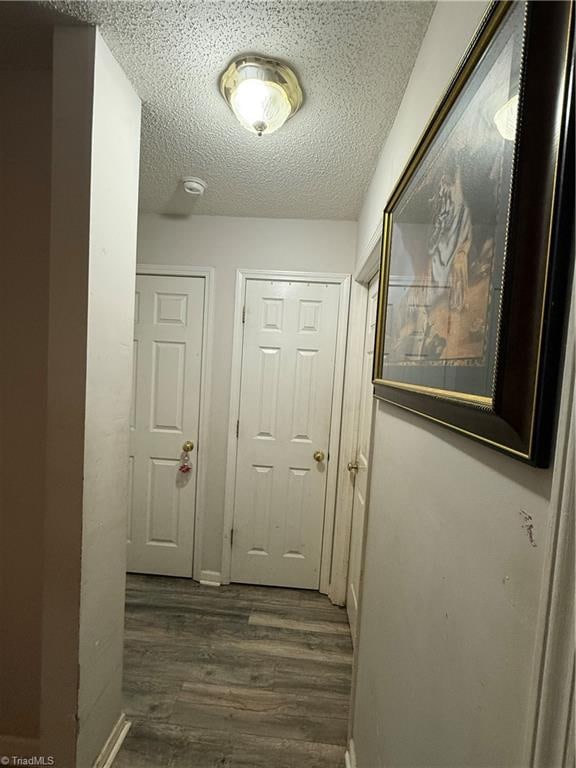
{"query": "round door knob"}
pixel 319 456
pixel 188 446
pixel 352 466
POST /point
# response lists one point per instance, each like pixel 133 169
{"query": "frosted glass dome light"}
pixel 262 93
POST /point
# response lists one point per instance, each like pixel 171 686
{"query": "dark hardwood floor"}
pixel 235 676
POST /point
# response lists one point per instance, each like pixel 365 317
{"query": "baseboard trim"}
pixel 350 756
pixel 109 751
pixel 211 578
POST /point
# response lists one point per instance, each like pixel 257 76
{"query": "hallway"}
pixel 233 676
pixel 301 321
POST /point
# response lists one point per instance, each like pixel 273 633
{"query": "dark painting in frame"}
pixel 478 236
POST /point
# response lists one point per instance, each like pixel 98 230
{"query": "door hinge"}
pixel 231 537
pixel 244 313
pixel 237 429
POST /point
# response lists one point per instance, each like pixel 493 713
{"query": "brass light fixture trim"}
pixel 272 73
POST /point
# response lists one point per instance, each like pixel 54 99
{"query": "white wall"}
pixel 449 33
pixel 25 142
pixel 70 245
pixel 450 600
pixel 228 244
pixel 112 267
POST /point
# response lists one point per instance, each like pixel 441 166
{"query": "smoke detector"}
pixel 194 186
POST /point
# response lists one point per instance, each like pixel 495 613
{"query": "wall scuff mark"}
pixel 528 526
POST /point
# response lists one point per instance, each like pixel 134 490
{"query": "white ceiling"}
pixel 353 59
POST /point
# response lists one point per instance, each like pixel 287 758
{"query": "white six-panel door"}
pixel 169 315
pixel 363 457
pixel 285 413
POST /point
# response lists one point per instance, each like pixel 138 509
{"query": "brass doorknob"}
pixel 188 446
pixel 319 456
pixel 352 466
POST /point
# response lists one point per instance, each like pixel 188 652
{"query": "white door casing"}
pixel 287 380
pixel 349 427
pixel 167 375
pixel 362 460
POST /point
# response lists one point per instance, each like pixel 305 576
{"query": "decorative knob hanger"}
pixel 185 461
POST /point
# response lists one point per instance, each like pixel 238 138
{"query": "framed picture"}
pixel 477 240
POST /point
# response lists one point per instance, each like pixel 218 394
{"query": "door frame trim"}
pixel 207 273
pixel 344 281
pixel 350 423
pixel 549 735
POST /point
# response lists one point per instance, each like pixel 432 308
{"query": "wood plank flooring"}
pixel 233 677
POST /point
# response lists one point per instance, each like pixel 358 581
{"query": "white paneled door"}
pixel 362 460
pixel 287 379
pixel 169 315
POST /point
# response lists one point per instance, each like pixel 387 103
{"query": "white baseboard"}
pixel 109 751
pixel 350 756
pixel 211 578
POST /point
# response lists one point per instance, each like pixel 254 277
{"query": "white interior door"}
pixel 169 316
pixel 287 380
pixel 363 456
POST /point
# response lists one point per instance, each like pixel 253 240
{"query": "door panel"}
pixel 165 412
pixel 287 380
pixel 168 360
pixel 363 458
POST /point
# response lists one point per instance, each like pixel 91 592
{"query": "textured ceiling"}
pixel 353 60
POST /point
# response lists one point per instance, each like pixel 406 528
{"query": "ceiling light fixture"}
pixel 262 93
